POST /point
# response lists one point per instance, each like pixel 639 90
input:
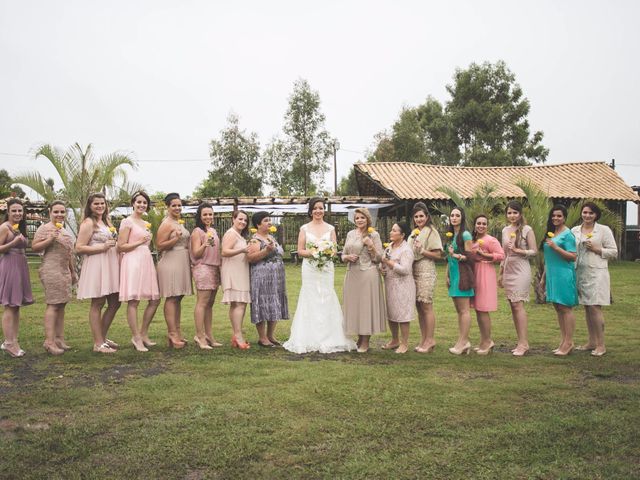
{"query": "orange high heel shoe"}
pixel 241 346
pixel 173 343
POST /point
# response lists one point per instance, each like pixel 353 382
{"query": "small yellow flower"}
pixel 448 234
pixel 551 234
pixel 512 234
pixel 181 221
pixel 59 225
pixel 416 232
pixel 386 244
pixel 371 230
pixel 480 242
pixel 209 234
pixel 147 225
pixel 253 230
pixel 15 227
pixel 272 229
pixel 589 235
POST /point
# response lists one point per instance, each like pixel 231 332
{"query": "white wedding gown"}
pixel 318 322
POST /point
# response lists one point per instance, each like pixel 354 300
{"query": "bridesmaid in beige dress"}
pixel 236 284
pixel 57 274
pixel 100 273
pixel 174 268
pixel 364 307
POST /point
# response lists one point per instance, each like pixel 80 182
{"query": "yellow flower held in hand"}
pixel 59 225
pixel 371 230
pixel 181 222
pixel 416 232
pixel 386 244
pixel 253 230
pixel 551 234
pixel 448 234
pixel 512 234
pixel 147 225
pixel 589 235
pixel 209 234
pixel 480 242
pixel 272 229
pixel 15 227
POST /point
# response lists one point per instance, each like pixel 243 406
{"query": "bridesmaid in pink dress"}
pixel 15 287
pixel 57 274
pixel 487 251
pixel 100 273
pixel 138 278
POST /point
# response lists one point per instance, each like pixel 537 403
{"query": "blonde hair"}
pixel 365 212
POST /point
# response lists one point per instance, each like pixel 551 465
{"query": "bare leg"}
pixel 394 342
pixel 262 333
pixel 364 342
pixel 520 321
pixel 597 321
pixel 147 318
pixel 484 325
pixel 113 304
pixel 95 320
pixel 589 314
pixel 271 329
pixel 59 328
pixel 200 313
pixel 561 325
pixel 464 321
pixel 567 322
pixel 427 321
pixel 10 324
pixel 404 338
pixel 50 317
pixel 170 313
pixel 236 315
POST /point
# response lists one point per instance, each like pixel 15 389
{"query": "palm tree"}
pixel 81 175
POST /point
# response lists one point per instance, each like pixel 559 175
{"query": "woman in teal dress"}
pixel 560 275
pixel 459 242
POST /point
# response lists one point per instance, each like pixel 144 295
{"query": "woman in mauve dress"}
pixel 205 267
pixel 100 272
pixel 519 245
pixel 488 251
pixel 57 274
pixel 138 278
pixel 174 267
pixel 15 286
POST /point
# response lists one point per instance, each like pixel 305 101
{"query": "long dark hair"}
pixel 550 226
pixel 517 206
pixel 22 224
pixel 245 231
pixel 89 214
pixel 142 194
pixel 312 203
pixel 463 228
pixel 475 234
pixel 199 223
pixel 593 207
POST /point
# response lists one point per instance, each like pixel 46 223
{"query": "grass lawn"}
pixel 267 413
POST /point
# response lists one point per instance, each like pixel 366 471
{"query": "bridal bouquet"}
pixel 322 253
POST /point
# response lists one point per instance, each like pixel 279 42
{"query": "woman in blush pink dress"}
pixel 205 267
pixel 57 274
pixel 138 278
pixel 488 251
pixel 100 273
pixel 15 287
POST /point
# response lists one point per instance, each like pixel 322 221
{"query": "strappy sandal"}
pixel 5 347
pixel 104 348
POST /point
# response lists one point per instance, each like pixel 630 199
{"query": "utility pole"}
pixel 336 147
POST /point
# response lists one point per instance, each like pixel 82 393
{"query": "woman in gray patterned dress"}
pixel 268 288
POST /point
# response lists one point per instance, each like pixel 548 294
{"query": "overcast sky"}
pixel 158 78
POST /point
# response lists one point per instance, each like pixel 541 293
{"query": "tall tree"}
pixel 235 160
pixel 7 187
pixel 81 174
pixel 297 164
pixel 483 124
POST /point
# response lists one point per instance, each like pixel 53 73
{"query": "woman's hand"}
pixel 451 250
pixel 448 282
pixel 109 244
pixel 500 281
pixel 367 242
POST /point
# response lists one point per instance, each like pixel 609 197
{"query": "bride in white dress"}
pixel 318 322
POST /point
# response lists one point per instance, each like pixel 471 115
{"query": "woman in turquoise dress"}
pixel 559 276
pixel 459 242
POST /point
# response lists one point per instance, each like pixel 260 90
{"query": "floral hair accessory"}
pixel 448 234
pixel 59 225
pixel 551 234
pixel 272 229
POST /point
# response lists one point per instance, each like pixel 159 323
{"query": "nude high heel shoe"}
pixel 486 351
pixel 466 349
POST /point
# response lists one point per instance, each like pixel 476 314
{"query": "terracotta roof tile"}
pixel 413 181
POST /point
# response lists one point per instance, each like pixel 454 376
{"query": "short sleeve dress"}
pixel 138 277
pixel 236 285
pixel 54 271
pixel 516 269
pixel 424 269
pixel 268 287
pixel 15 286
pixel 560 274
pixel 174 268
pixel 206 269
pixel 486 288
pixel 454 270
pixel 100 273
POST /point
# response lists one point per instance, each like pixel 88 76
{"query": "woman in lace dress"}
pixel 397 268
pixel 318 322
pixel 57 274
